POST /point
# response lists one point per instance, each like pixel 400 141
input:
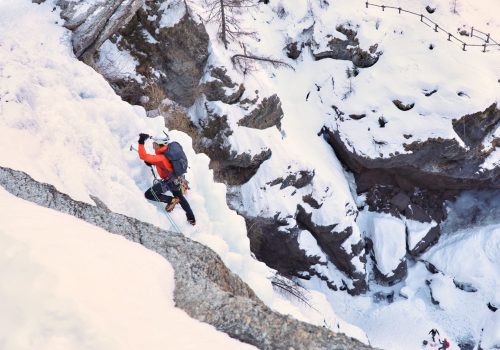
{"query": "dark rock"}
pixel 429 93
pixel 176 61
pixel 430 9
pixel 436 164
pixel 311 201
pixel 492 307
pixel 382 122
pixel 357 116
pixel 466 287
pixel 401 201
pixel 398 274
pixel 429 285
pixel 415 212
pixel 298 180
pixel 430 267
pixel 215 90
pixel 204 287
pixel 349 50
pixel 229 167
pixel 330 241
pixel 276 247
pixel 293 51
pixel 402 106
pixel 431 238
pixel 473 128
pixel 267 114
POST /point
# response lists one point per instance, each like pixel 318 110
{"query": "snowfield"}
pixel 61 123
pixel 69 285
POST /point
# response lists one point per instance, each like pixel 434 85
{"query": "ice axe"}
pixel 132 148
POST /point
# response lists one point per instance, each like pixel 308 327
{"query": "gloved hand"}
pixel 142 138
pixel 148 164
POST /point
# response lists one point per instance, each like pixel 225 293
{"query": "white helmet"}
pixel 161 140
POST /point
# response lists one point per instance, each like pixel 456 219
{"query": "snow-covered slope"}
pixel 62 123
pixel 69 285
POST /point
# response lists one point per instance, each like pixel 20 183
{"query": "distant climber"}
pixel 170 171
pixel 433 332
pixel 444 344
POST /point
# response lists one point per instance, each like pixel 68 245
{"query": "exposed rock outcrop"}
pixel 278 248
pixel 435 163
pixel 204 287
pixel 330 241
pixel 172 56
pixel 92 23
pixel 349 50
pixel 267 113
pixel 217 89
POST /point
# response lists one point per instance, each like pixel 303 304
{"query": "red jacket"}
pixel 163 165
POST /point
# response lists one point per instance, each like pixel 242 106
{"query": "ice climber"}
pixel 444 344
pixel 433 333
pixel 168 182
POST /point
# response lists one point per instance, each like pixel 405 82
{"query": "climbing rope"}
pixel 172 222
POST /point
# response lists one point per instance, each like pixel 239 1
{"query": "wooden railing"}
pixel 489 43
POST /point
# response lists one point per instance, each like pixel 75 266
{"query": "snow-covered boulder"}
pixel 94 21
pixel 386 235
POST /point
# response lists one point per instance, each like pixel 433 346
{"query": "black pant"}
pixel 160 188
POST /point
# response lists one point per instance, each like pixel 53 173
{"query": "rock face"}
pixel 349 50
pixel 93 23
pixel 173 56
pixel 268 113
pixel 330 241
pixel 435 163
pixel 415 186
pixel 216 89
pixel 204 287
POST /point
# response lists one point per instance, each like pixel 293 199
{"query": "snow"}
pixel 172 12
pixel 417 231
pixel 117 63
pixel 388 235
pixel 69 285
pixel 64 125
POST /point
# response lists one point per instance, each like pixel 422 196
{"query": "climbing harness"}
pixel 172 222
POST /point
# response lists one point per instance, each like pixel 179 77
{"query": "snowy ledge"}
pixel 204 286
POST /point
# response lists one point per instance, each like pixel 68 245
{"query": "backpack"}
pixel 446 344
pixel 177 157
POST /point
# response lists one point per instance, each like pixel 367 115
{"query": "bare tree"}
pixel 226 13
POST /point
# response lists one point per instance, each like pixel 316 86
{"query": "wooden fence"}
pixel 488 44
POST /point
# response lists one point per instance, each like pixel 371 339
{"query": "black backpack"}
pixel 177 157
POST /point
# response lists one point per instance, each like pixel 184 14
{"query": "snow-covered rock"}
pixel 204 287
pixel 93 22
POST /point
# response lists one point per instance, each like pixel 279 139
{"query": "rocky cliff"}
pixel 204 287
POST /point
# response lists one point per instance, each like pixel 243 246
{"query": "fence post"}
pixel 421 17
pixel 484 49
pixel 383 7
pixel 367 4
pixel 436 28
pixel 488 37
pixel 400 11
pixel 464 46
pixel 472 32
pixel 449 37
